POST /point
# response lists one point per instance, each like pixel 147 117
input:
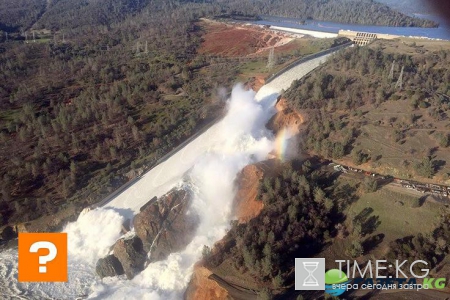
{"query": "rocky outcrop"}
pixel 162 227
pixel 255 82
pixel 131 255
pixel 125 226
pixel 8 238
pixel 166 226
pixel 109 266
pixel 134 173
pixel 8 233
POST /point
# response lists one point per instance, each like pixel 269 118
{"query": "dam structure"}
pixel 365 38
pixel 165 176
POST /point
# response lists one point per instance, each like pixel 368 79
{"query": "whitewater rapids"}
pixel 208 166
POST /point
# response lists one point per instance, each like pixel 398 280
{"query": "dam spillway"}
pixel 208 166
pixel 166 175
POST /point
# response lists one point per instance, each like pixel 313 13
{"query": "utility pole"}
pixel 391 73
pixel 399 83
pixel 138 48
pixel 271 59
pixel 146 47
pixel 34 37
pixel 64 38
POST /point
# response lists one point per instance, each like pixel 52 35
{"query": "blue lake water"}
pixel 442 32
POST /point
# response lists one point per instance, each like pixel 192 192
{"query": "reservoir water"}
pixel 442 32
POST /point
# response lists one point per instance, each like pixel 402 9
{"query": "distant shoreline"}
pixel 437 33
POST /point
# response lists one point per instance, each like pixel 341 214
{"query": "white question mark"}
pixel 44 258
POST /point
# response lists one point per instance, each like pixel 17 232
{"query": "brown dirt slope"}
pixel 204 284
pixel 246 204
pixel 201 287
pixel 285 118
pixel 256 82
pixel 233 40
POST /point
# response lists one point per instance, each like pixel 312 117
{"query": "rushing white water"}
pixel 208 166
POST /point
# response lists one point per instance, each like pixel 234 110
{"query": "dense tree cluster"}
pixel 65 14
pixel 358 77
pixel 75 112
pixel 18 15
pixel 109 82
pixel 426 167
pixel 298 216
pixel 345 11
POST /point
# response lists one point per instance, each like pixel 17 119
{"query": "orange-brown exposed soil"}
pixel 202 288
pixel 256 82
pixel 246 203
pixel 233 40
pixel 285 118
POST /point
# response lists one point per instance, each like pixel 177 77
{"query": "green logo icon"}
pixel 338 279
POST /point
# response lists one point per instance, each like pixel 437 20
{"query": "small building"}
pixel 365 38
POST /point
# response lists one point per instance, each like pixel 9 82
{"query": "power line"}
pixel 391 73
pixel 138 48
pixel 399 83
pixel 271 59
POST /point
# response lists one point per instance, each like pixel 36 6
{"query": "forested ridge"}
pixel 107 86
pixel 345 11
pixel 65 14
pixel 309 211
pixel 353 99
pixel 360 75
pixel 78 113
pixel 20 14
pixel 301 211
